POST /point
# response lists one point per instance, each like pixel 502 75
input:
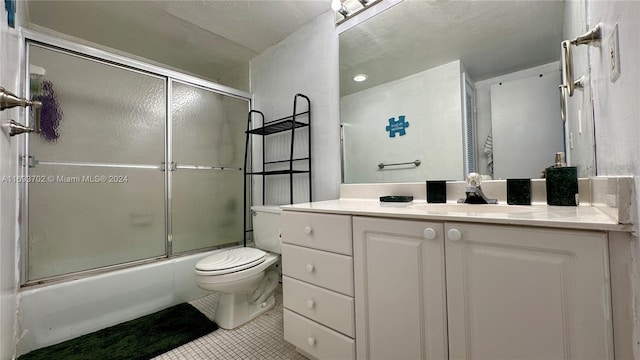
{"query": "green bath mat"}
pixel 141 338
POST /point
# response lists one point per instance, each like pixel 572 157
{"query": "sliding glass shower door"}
pixel 97 198
pixel 131 166
pixel 207 181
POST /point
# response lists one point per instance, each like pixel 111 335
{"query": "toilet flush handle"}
pixel 310 304
pixel 307 230
pixel 311 341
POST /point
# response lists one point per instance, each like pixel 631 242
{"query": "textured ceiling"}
pixel 490 37
pixel 207 38
pixel 211 38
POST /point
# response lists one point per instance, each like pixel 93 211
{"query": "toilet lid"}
pixel 231 260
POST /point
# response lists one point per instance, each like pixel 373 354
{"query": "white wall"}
pixel 431 103
pixel 9 79
pixel 305 62
pixel 617 113
pixel 617 109
pixel 483 106
pixel 526 125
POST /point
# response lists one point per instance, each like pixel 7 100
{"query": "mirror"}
pixel 460 86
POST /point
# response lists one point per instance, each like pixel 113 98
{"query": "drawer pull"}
pixel 311 341
pixel 454 234
pixel 310 304
pixel 310 268
pixel 429 234
pixel 308 230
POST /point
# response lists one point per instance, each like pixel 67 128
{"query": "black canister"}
pixel 519 191
pixel 436 191
pixel 562 185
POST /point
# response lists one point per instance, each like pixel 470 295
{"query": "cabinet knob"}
pixel 454 234
pixel 429 234
pixel 310 268
pixel 311 341
pixel 310 304
pixel 307 230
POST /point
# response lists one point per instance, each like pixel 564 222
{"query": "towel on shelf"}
pixel 488 149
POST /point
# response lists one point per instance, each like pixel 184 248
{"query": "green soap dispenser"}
pixel 562 183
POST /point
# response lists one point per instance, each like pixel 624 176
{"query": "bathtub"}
pixel 54 313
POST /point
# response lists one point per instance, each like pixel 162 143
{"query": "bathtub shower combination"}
pixel 137 163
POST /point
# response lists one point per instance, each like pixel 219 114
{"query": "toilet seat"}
pixel 231 260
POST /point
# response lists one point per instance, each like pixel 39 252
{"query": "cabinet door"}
pixel 527 293
pixel 399 289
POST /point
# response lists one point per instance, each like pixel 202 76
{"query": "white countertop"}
pixel 573 217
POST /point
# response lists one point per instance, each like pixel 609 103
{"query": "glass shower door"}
pixel 207 138
pixel 96 188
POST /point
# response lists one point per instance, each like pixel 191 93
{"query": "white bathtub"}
pixel 58 312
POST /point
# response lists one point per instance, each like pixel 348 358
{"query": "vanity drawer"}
pixel 317 340
pixel 326 307
pixel 325 269
pixel 318 231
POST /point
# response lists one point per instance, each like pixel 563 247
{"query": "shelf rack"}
pixel 289 123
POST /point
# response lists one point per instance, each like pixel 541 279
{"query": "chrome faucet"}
pixel 474 191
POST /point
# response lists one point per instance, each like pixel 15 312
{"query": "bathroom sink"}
pixel 472 208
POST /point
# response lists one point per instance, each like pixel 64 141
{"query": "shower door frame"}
pixel 92 54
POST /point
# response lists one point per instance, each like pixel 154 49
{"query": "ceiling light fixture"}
pixel 339 7
pixel 360 78
pixel 349 8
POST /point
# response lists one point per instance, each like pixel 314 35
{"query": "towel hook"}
pixel 592 36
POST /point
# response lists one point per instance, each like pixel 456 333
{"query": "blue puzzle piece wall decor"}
pixel 397 127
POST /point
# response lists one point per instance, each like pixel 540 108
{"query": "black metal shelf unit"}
pixel 298 120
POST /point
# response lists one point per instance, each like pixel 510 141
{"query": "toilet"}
pixel 245 277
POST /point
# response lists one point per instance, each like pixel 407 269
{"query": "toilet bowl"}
pixel 245 277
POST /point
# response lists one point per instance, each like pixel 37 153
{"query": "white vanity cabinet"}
pixel 527 293
pixel 419 289
pixel 400 289
pixel 317 268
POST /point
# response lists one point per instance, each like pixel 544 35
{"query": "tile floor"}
pixel 261 338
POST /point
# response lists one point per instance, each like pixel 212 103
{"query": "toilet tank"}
pixel 266 227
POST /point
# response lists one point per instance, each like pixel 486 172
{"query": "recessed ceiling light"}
pixel 360 78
